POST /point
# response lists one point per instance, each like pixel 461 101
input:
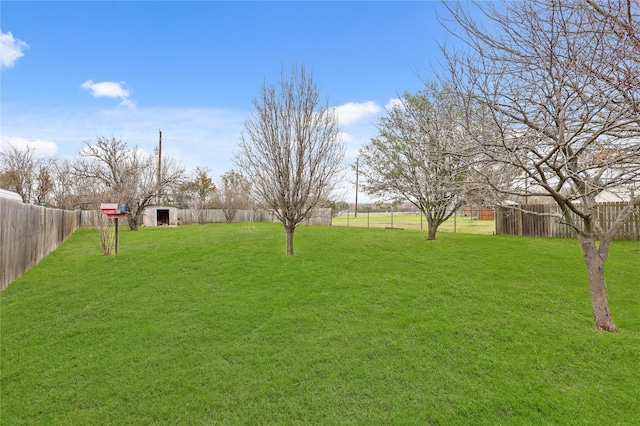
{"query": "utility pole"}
pixel 355 213
pixel 158 182
pixel 526 183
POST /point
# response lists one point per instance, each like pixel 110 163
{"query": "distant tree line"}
pixel 108 170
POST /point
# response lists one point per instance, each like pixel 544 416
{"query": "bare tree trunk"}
pixel 290 230
pixel 132 221
pixel 431 230
pixel 200 209
pixel 602 319
pixel 432 226
pixel 229 214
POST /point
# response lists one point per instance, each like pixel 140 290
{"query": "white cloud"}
pixel 110 89
pixel 354 111
pixel 42 148
pixel 352 154
pixel 129 103
pixel 106 88
pixel 345 137
pixel 195 136
pixel 10 50
pixel 393 103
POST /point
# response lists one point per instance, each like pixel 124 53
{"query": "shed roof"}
pixel 614 195
pixel 10 195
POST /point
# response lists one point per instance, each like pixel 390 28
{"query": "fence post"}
pixel 519 221
pixel 116 220
pixel 455 221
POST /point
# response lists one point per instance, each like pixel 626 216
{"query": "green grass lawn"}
pixel 414 221
pixel 214 324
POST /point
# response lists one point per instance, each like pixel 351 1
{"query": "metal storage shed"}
pixel 160 216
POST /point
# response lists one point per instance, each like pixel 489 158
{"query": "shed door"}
pixel 162 217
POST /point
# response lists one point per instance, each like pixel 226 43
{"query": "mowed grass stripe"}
pixel 214 324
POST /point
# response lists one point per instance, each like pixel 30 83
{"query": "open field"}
pixel 414 221
pixel 214 324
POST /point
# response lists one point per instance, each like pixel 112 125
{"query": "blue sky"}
pixel 72 71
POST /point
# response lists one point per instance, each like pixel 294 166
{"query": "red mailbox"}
pixel 113 211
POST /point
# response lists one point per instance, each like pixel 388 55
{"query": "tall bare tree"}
pixel 291 149
pixel 44 183
pixel 421 155
pixel 19 170
pixel 559 79
pixel 232 194
pixel 64 193
pixel 125 176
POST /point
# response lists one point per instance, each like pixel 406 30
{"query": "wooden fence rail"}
pixel 28 233
pixel 536 220
pixel 217 216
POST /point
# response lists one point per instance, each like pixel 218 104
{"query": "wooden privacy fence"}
pixel 28 233
pixel 318 216
pixel 534 220
pixel 217 216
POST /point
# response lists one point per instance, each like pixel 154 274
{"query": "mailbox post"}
pixel 113 211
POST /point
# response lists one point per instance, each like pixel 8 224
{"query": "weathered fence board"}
pixel 217 216
pixel 318 216
pixel 537 220
pixel 27 234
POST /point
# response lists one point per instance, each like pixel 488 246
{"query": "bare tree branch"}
pixel 559 81
pixel 125 176
pixel 18 171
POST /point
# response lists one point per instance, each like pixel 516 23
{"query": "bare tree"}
pixel 18 171
pixel 64 193
pixel 125 176
pixel 197 192
pixel 232 194
pixel 107 233
pixel 420 155
pixel 44 183
pixel 291 150
pixel 559 82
